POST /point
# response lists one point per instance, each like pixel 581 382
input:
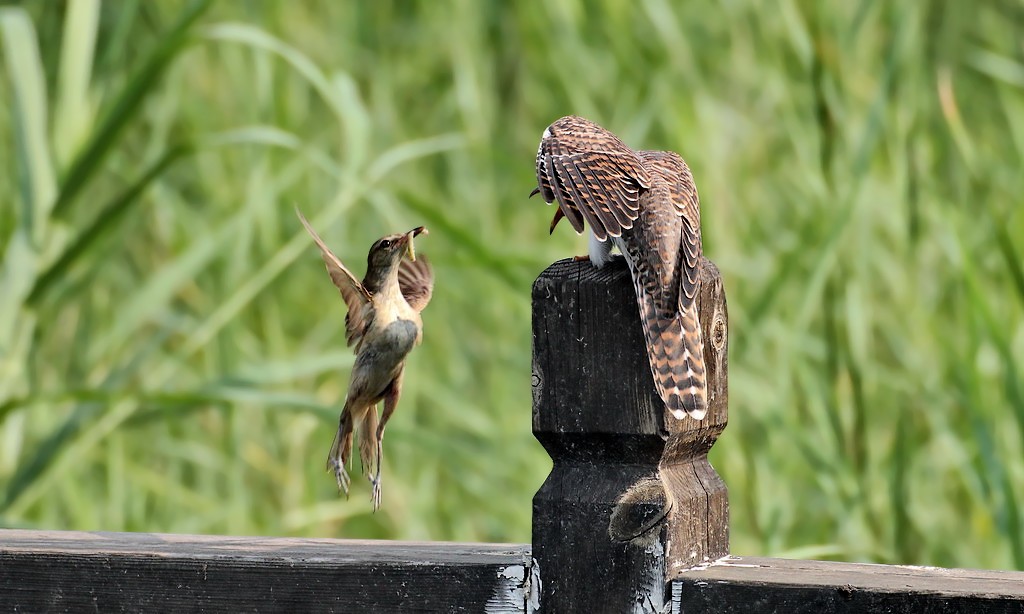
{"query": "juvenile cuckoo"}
pixel 645 203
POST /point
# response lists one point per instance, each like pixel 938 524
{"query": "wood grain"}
pixel 51 571
pixel 698 524
pixel 756 585
pixel 617 496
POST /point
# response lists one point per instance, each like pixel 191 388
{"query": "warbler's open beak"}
pixel 409 249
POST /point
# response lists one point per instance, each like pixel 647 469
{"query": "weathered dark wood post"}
pixel 631 500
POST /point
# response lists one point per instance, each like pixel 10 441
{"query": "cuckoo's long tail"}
pixel 676 349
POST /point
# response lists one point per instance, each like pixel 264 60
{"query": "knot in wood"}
pixel 718 332
pixel 639 513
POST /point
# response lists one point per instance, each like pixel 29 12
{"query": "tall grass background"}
pixel 172 354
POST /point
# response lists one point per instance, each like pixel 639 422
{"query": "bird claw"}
pixel 341 475
pixel 375 480
pixel 375 492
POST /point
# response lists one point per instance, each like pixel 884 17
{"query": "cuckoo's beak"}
pixel 554 221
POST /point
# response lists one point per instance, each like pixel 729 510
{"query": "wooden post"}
pixel 631 499
pixel 698 525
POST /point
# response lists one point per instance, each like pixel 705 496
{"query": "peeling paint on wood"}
pixel 533 588
pixel 510 591
pixel 650 596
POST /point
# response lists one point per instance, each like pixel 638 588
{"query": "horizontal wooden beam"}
pixel 754 585
pixel 116 572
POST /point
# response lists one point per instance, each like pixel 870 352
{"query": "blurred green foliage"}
pixel 172 354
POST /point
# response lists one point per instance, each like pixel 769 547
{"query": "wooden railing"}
pixel 632 518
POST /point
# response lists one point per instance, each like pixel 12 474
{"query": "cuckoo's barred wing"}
pixel 357 299
pixel 674 171
pixel 416 279
pixel 671 332
pixel 670 168
pixel 592 175
pixel 675 351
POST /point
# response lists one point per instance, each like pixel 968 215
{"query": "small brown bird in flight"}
pixel 646 203
pixel 383 322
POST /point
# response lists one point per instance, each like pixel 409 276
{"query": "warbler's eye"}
pixel 385 243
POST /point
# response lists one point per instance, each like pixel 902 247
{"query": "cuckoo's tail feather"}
pixel 675 349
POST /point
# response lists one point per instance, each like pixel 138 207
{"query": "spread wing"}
pixel 592 175
pixel 357 299
pixel 416 279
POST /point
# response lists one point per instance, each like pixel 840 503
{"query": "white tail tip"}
pixel 679 414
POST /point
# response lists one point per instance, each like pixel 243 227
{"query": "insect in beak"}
pixel 409 249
